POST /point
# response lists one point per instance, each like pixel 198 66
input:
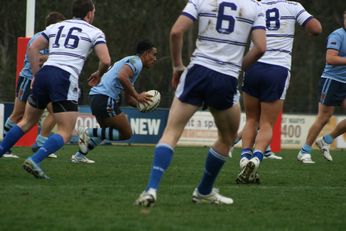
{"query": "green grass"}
pixel 292 196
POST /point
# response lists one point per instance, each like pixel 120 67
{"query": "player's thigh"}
pixel 179 115
pixel 270 111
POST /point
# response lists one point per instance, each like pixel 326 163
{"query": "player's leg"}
pixel 237 139
pixel 46 127
pixel 65 114
pixel 269 114
pixel 222 98
pixel 178 117
pixel 31 117
pixel 252 111
pixel 114 126
pixel 323 116
pixel 329 89
pixel 227 122
pixel 22 94
pixel 324 142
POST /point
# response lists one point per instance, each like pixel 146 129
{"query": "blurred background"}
pixel 125 22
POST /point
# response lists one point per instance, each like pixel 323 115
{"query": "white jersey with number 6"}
pixel 224 27
pixel 70 42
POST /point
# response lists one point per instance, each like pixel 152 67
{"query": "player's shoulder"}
pixel 341 32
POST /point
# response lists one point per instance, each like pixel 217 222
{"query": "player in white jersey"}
pixel 210 79
pixel 23 89
pixel 104 100
pixel 266 82
pixel 333 93
pixel 69 44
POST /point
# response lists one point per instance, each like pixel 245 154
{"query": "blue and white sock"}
pixel 8 125
pixel 268 151
pixel 328 139
pixel 10 139
pixel 163 155
pixel 53 144
pixel 213 165
pixel 306 149
pixel 257 153
pixel 40 140
pixel 103 133
pixel 93 142
pixel 246 153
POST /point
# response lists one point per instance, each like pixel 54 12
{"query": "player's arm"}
pixel 258 38
pixel 333 58
pixel 43 59
pixel 313 27
pixel 182 24
pixel 34 54
pixel 132 97
pixel 101 51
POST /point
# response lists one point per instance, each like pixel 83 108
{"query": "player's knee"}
pixel 125 135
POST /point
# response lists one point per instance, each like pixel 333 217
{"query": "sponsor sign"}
pixel 147 128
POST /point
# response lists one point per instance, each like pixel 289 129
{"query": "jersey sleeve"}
pixel 135 64
pixel 98 38
pixel 302 15
pixel 47 32
pixel 191 10
pixel 259 22
pixel 334 41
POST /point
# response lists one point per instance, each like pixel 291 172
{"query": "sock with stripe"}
pixel 103 133
pixel 246 153
pixel 306 149
pixel 258 154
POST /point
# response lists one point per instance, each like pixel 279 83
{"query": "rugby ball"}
pixel 150 106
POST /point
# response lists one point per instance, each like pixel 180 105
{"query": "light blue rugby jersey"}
pixel 336 41
pixel 26 71
pixel 110 84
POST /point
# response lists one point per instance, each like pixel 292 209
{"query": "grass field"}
pixel 292 196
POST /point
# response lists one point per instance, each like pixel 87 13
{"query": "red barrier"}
pixel 276 140
pixel 29 138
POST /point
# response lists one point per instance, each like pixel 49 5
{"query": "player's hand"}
pixel 94 79
pixel 176 76
pixel 144 97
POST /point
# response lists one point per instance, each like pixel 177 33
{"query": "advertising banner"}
pixel 147 127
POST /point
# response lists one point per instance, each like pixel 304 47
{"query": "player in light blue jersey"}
pixel 104 100
pixel 69 42
pixel 266 82
pixel 23 90
pixel 333 93
pixel 210 79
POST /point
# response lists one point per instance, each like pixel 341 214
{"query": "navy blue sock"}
pixel 10 139
pixel 247 153
pixel 162 158
pixel 213 164
pixel 53 144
